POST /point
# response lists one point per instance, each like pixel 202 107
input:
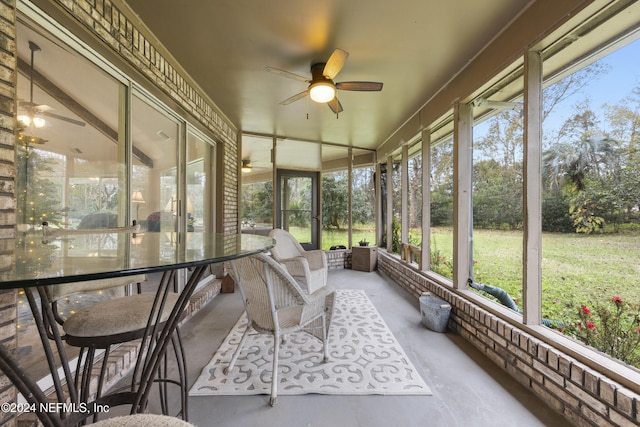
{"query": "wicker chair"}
pixel 308 268
pixel 275 304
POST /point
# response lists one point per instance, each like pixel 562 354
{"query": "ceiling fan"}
pixel 34 113
pixel 322 88
pixel 248 166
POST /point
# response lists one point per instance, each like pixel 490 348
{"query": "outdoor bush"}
pixel 440 264
pixel 555 213
pixel 612 326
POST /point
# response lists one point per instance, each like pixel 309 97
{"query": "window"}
pixel 73 167
pixel 414 195
pixel 363 205
pixel 497 186
pixel 155 137
pixel 441 227
pixel 335 209
pixel 70 157
pixel 396 207
pixel 200 188
pixel 257 196
pixel 591 200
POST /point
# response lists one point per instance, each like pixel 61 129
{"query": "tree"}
pixel 334 200
pixel 38 197
pixel 363 195
pixel 565 88
pixel 624 121
pixel 415 193
pixel 257 202
pixel 442 184
pixel 497 195
pixel 569 162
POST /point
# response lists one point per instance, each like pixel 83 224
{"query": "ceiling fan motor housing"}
pixel 321 88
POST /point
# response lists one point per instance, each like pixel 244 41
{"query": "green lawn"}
pixel 575 267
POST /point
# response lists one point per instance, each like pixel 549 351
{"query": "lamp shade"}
pixel 172 205
pixel 322 91
pixel 136 197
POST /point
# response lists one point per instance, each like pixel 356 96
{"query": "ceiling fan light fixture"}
pixel 38 121
pixel 322 92
pixel 246 166
pixel 24 119
pixel 28 120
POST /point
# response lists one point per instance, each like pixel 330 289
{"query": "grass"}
pixel 341 237
pixel 576 268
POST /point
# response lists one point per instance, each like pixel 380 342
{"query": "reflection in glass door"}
pixel 297 206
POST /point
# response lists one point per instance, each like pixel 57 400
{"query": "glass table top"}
pixel 40 261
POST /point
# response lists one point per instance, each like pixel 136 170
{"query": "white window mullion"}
pixel 404 188
pixel 462 177
pixel 389 218
pixel 426 199
pixel 532 250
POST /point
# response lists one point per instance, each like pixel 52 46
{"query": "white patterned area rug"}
pixel 364 358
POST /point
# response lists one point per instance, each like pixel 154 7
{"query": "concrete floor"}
pixel 468 389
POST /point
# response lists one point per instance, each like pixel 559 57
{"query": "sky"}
pixel 622 77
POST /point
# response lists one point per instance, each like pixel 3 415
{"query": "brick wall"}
pixel 340 258
pixel 8 314
pixel 585 397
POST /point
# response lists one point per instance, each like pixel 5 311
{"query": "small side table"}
pixel 364 258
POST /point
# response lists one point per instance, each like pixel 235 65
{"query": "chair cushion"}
pixel 116 316
pixel 143 420
pixel 65 289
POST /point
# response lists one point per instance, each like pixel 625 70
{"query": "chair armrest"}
pixel 317 259
pixel 319 302
pixel 298 266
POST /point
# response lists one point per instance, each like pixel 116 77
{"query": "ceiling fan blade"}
pixel 360 86
pixel 42 108
pixel 294 98
pixel 63 118
pixel 286 74
pixel 32 106
pixel 335 105
pixel 335 63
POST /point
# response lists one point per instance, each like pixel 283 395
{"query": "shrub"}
pixel 612 327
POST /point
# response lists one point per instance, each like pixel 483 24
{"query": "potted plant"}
pixel 363 242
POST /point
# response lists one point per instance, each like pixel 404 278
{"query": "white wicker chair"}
pixel 277 305
pixel 308 268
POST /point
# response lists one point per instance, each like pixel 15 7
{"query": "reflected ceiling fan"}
pixel 248 166
pixel 322 88
pixel 35 113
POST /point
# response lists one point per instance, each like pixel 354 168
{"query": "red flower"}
pixel 585 310
pixel 617 299
pixel 591 326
